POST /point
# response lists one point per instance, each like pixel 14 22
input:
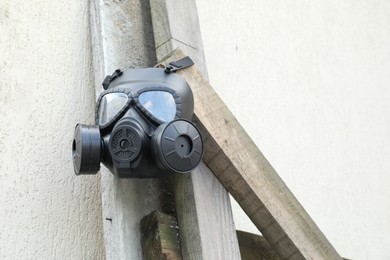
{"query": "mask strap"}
pixel 109 79
pixel 179 65
pixel 172 67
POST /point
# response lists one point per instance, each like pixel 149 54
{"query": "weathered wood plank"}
pixel 205 217
pixel 248 176
pixel 203 206
pixel 176 25
pixel 160 237
pixel 122 37
pixel 254 247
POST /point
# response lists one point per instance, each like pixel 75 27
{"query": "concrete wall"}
pixel 46 87
pixel 309 80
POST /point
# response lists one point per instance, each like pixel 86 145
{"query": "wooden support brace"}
pixel 160 237
pixel 254 247
pixel 203 207
pixel 243 170
pixel 122 37
pixel 204 212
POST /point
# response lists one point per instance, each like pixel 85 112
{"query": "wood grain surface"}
pixel 203 207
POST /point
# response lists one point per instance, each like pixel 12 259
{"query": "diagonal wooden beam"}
pixel 244 171
pixel 255 247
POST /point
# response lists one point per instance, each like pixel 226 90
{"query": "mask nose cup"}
pixel 177 146
pixel 86 149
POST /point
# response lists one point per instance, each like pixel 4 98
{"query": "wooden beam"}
pixel 204 212
pixel 160 237
pixel 203 207
pixel 122 37
pixel 248 176
pixel 176 25
pixel 254 247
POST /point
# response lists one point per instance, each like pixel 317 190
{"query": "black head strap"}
pixel 179 65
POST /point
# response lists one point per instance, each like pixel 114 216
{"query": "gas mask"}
pixel 143 126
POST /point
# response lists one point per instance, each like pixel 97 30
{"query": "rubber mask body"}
pixel 143 127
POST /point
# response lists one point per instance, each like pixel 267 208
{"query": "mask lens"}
pixel 110 105
pixel 160 104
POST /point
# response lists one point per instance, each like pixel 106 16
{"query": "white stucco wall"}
pixel 46 87
pixel 310 82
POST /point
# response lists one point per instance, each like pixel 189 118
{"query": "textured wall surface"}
pixel 309 81
pixel 46 87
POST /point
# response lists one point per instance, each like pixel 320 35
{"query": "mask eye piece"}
pixel 110 105
pixel 160 104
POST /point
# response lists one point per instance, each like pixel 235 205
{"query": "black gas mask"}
pixel 143 127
